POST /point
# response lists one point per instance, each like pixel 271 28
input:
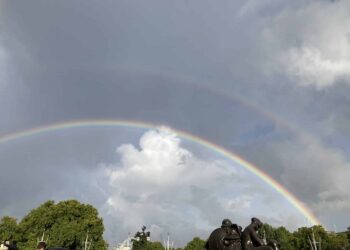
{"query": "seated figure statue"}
pixel 11 246
pixel 227 237
pixel 250 238
pixel 232 241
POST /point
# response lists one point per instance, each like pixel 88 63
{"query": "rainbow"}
pixel 208 86
pixel 294 201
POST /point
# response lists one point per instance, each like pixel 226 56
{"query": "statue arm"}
pixel 256 239
pixel 231 237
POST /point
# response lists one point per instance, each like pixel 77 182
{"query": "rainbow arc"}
pixel 293 200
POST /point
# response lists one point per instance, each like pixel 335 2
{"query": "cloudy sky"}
pixel 267 80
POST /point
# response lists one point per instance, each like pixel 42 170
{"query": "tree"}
pixel 302 236
pixel 267 231
pixel 338 241
pixel 147 246
pixel 9 228
pixel 141 240
pixel 156 246
pixel 195 244
pixel 328 241
pixel 284 238
pixel 66 224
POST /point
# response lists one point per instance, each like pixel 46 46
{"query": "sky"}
pixel 267 80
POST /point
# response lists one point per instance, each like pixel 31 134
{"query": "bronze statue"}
pixel 227 237
pixel 250 238
pixel 41 245
pixel 11 246
pixel 233 240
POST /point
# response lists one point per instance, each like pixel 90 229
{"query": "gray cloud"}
pixel 313 49
pixel 164 62
pixel 316 174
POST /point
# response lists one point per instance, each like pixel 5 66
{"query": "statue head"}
pixel 257 223
pixel 41 245
pixel 226 223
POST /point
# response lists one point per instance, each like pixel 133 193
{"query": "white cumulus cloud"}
pixel 160 178
pixel 162 185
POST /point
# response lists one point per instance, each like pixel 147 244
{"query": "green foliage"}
pixel 267 230
pixel 156 246
pixel 195 244
pixel 8 228
pixel 147 246
pixel 305 235
pixel 284 238
pixel 281 235
pixel 138 245
pixel 300 239
pixel 141 241
pixel 338 241
pixel 65 223
pixel 68 222
pixel 302 236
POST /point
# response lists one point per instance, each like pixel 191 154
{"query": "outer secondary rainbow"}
pixel 305 211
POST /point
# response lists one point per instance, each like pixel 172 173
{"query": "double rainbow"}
pixel 294 201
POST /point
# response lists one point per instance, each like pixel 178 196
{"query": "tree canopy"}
pixel 195 244
pixel 149 245
pixel 8 228
pixel 300 239
pixel 65 224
